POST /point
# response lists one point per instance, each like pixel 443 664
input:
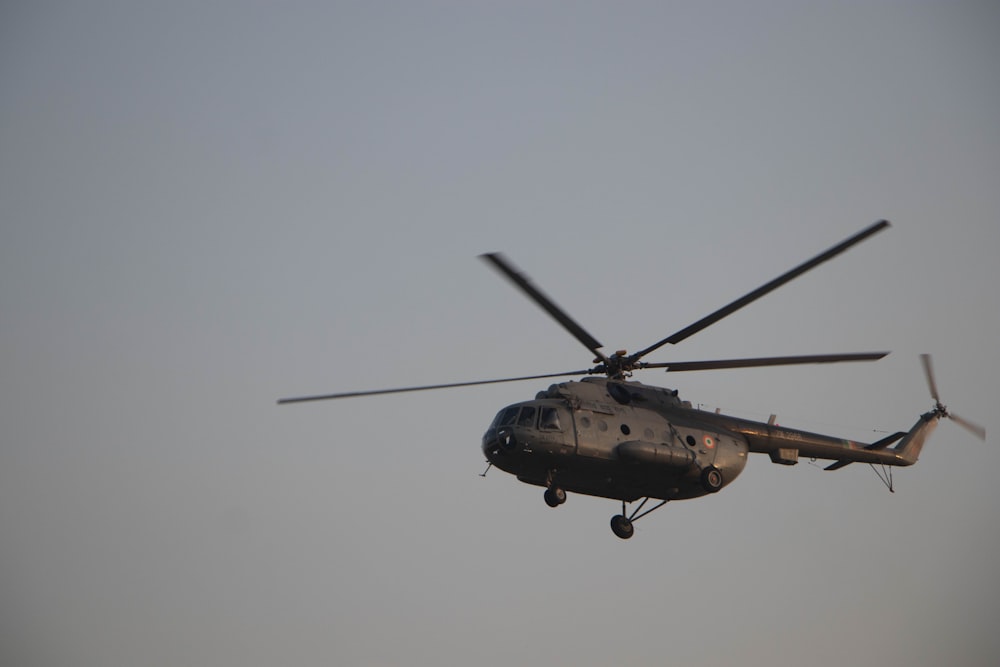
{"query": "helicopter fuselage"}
pixel 615 440
pixel 627 440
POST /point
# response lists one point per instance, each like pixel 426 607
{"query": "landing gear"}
pixel 554 496
pixel 621 524
pixel 622 527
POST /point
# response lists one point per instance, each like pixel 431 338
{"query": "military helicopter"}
pixel 608 436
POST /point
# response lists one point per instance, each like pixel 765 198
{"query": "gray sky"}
pixel 206 206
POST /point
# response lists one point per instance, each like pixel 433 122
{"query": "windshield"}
pixel 545 418
pixel 505 417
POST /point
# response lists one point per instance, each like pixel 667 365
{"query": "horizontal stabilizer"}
pixel 881 444
pixel 885 442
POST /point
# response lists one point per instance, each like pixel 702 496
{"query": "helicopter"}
pixel 609 436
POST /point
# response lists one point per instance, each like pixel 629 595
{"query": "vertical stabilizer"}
pixel 909 447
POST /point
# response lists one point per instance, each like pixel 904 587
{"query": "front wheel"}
pixel 554 496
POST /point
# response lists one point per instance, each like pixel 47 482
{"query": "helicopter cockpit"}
pixel 534 427
pixel 527 415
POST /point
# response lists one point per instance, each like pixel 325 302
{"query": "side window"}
pixel 549 420
pixel 527 417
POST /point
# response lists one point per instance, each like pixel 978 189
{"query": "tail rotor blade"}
pixel 929 372
pixel 972 428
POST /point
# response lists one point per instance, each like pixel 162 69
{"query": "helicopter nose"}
pixel 490 444
pixel 506 439
pixel 498 442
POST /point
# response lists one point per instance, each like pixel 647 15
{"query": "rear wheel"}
pixel 622 527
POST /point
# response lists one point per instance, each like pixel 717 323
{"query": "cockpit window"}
pixel 549 420
pixel 506 417
pixel 527 417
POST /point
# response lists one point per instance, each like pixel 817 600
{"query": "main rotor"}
pixel 620 365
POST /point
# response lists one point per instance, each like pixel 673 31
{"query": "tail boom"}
pixel 786 445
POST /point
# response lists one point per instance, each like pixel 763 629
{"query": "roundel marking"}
pixel 709 442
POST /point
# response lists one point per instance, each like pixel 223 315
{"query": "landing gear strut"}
pixel 621 524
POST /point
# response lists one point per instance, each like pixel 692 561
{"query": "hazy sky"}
pixel 207 206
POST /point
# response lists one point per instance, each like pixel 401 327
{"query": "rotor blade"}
pixel 765 361
pixel 975 429
pixel 503 265
pixel 400 390
pixel 929 372
pixel 763 289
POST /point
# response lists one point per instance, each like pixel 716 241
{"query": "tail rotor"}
pixel 940 409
